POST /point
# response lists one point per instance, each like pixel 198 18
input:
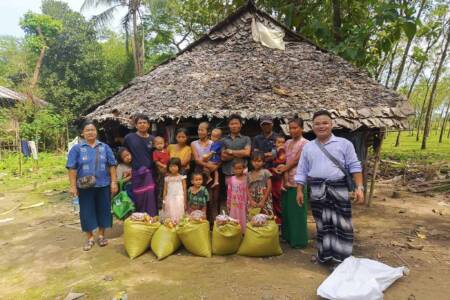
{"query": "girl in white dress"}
pixel 174 204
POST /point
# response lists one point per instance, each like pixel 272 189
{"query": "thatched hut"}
pixel 227 71
pixel 9 98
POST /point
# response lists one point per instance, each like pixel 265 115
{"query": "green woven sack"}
pixel 137 236
pixel 165 241
pixel 195 237
pixel 122 205
pixel 226 238
pixel 261 241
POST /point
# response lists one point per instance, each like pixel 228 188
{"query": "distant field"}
pixel 409 149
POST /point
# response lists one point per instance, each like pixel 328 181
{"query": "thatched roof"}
pixel 9 97
pixel 226 72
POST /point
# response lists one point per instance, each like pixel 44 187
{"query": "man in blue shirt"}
pixel 329 198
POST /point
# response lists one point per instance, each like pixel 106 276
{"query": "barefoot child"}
pixel 237 194
pixel 214 155
pixel 197 194
pixel 259 185
pixel 160 158
pixel 174 203
pixel 124 169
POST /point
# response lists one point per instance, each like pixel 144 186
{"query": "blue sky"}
pixel 12 10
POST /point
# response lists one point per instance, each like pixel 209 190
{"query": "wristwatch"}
pixel 360 187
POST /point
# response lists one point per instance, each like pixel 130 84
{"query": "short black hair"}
pixel 238 161
pixel 322 112
pixel 182 130
pixel 257 155
pixel 197 174
pixel 87 123
pixel 138 117
pixel 297 120
pixel 174 161
pixel 234 117
pixel 119 153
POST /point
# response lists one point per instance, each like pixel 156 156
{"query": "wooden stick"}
pixel 11 210
pixel 375 166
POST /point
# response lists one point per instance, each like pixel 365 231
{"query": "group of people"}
pixel 267 174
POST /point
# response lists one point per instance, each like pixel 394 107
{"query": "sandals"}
pixel 88 245
pixel 102 242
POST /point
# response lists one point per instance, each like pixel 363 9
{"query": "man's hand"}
pixel 300 195
pixel 359 196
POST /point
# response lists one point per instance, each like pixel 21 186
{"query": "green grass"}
pixel 409 149
pixel 46 173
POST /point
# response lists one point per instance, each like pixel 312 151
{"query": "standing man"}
pixel 235 145
pixel 140 144
pixel 265 142
pixel 330 204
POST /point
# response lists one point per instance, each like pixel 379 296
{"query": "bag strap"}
pixel 332 158
pixel 96 158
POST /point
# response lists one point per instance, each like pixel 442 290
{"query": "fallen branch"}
pixel 11 210
pixel 401 258
pixel 432 188
pixel 32 206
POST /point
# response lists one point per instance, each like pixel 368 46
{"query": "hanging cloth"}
pixel 33 149
pixel 25 148
pixel 269 37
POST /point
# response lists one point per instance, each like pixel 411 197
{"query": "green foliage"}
pixel 74 72
pixel 118 61
pixel 47 171
pixel 409 149
pixel 39 30
pixel 13 62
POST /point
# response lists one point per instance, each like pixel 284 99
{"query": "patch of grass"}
pixel 48 172
pixel 409 149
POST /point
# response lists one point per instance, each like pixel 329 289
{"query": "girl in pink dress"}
pixel 174 204
pixel 237 194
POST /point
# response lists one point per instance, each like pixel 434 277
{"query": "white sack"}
pixel 359 278
pixel 269 37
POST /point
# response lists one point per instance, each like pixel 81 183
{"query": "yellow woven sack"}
pixel 137 236
pixel 195 237
pixel 226 238
pixel 165 241
pixel 261 241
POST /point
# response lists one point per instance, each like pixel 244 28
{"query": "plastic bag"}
pixel 122 205
pixel 165 241
pixel 226 237
pixel 259 220
pixel 261 241
pixel 195 237
pixel 137 236
pixel 359 278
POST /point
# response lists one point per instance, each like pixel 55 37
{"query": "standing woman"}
pixel 201 147
pixel 294 228
pixel 92 176
pixel 140 144
pixel 181 150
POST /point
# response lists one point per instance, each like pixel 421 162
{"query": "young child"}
pixel 174 203
pixel 214 155
pixel 197 194
pixel 259 185
pixel 280 159
pixel 160 158
pixel 124 168
pixel 237 194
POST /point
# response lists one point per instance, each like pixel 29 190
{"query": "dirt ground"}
pixel 41 256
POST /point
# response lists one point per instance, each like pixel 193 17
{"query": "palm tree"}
pixel 131 19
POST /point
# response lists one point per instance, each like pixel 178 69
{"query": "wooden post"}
pixel 19 146
pixel 366 163
pixel 375 166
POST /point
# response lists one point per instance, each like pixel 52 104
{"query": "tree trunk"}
pixel 391 64
pixel 397 141
pixel 405 53
pixel 444 123
pixel 337 22
pixel 134 41
pixel 433 91
pixel 37 68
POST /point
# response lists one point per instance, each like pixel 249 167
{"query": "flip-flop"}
pixel 88 245
pixel 102 242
